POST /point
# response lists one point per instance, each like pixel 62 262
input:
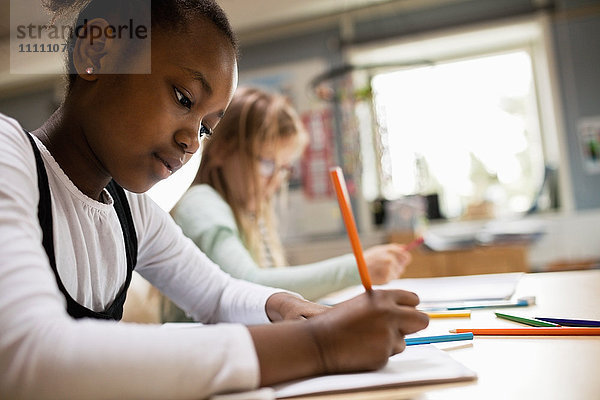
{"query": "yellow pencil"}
pixel 462 314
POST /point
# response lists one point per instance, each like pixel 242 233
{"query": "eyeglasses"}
pixel 268 168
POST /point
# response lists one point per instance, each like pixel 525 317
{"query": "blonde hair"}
pixel 254 119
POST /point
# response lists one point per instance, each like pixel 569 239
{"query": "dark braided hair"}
pixel 166 15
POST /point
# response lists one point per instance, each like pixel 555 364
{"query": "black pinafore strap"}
pixel 76 310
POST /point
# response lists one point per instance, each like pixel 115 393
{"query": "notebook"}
pixel 444 289
pixel 416 365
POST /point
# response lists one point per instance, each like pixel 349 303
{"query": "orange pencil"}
pixel 558 331
pixel 339 183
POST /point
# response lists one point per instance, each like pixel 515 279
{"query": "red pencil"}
pixel 558 331
pixel 415 243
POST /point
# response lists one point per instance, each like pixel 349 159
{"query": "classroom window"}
pixel 464 127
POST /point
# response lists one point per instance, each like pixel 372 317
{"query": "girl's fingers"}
pixel 402 309
pixel 411 321
pixel 399 346
pixel 396 249
pixel 403 297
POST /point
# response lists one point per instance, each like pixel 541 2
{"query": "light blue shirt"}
pixel 208 220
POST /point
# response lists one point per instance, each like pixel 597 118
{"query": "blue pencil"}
pixel 438 339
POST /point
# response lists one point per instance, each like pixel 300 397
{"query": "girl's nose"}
pixel 188 140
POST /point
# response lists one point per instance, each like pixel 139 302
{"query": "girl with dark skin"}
pixel 138 129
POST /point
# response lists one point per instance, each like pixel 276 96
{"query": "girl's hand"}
pixel 363 332
pixel 357 335
pixel 285 306
pixel 386 262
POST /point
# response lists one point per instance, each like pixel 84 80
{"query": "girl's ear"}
pixel 93 42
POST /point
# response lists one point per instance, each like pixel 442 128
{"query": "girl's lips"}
pixel 171 163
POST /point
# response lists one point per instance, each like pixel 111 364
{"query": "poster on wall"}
pixel 318 156
pixel 291 79
pixel 588 130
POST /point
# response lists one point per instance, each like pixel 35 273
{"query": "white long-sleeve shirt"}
pixel 46 354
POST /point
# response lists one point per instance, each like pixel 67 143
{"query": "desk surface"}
pixel 520 367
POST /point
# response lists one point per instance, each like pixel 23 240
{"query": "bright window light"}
pixel 467 130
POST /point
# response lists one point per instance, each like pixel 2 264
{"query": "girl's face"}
pixel 274 165
pixel 143 128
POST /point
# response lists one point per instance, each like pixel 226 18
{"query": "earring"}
pixel 89 70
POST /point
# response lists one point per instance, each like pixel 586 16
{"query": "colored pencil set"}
pixel 540 326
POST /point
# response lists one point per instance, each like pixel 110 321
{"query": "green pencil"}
pixel 526 321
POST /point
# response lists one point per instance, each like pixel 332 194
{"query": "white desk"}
pixel 515 368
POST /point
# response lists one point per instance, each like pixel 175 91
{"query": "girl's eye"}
pixel 182 99
pixel 205 130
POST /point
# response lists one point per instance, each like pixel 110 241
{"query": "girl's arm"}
pixel 312 281
pixel 207 219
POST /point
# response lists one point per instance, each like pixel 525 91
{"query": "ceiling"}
pixel 245 15
pixel 250 15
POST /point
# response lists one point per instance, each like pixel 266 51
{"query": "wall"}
pixel 577 41
pixel 31 109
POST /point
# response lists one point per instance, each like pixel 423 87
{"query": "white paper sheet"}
pixel 417 365
pixel 444 289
